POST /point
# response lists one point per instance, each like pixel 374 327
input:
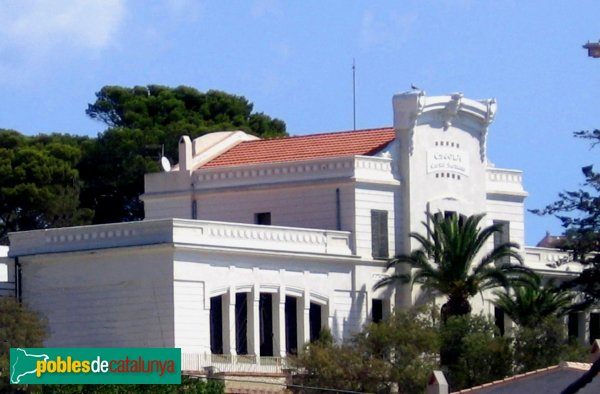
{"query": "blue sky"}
pixel 293 59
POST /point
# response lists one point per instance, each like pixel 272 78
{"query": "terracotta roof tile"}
pixel 348 143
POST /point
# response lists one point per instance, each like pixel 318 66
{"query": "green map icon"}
pixel 23 363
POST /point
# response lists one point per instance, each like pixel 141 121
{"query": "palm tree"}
pixel 445 261
pixel 530 303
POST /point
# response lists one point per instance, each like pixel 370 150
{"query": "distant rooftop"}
pixel 551 241
pixel 315 146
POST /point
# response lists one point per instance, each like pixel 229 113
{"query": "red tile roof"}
pixel 315 146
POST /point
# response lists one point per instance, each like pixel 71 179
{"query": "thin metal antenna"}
pixel 354 92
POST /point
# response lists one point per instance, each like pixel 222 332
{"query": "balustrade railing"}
pixel 232 363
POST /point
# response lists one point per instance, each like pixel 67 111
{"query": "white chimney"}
pixel 185 153
pixel 437 383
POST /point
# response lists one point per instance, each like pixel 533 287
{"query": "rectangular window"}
pixel 502 237
pixel 291 326
pixel 241 323
pixel 594 326
pixel 573 325
pixel 499 320
pixel 379 234
pixel 216 325
pixel 376 310
pixel 314 321
pixel 265 322
pixel 263 218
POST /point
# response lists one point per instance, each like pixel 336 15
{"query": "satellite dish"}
pixel 166 165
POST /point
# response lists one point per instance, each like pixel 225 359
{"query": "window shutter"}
pixel 379 234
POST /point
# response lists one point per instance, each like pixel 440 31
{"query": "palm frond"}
pixel 529 303
pixel 445 261
pixel 395 278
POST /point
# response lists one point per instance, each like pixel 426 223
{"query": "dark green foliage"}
pixel 408 342
pixel 39 182
pixel 188 385
pixel 445 262
pixel 62 180
pixel 400 350
pixel 475 353
pixel 154 107
pixel 579 213
pixel 141 121
pixel 530 303
pixel 544 344
pixel 19 327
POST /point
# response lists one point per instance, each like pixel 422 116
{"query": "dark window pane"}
pixel 291 326
pixel 573 325
pixel 265 308
pixel 263 218
pixel 241 323
pixel 216 325
pixel 499 320
pixel 377 310
pixel 314 321
pixel 594 326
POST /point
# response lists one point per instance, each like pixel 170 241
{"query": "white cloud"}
pixel 391 30
pixel 36 33
pixel 38 26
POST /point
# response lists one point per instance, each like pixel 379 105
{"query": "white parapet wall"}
pixel 7 275
pixel 181 231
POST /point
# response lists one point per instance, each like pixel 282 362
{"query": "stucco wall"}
pixel 309 206
pixel 201 274
pixel 106 298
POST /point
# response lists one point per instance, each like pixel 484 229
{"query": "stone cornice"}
pixel 370 169
pixel 364 167
pixel 180 231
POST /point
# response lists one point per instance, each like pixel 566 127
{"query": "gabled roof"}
pixel 315 146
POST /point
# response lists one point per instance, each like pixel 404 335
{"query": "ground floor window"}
pixel 265 310
pixel 376 310
pixel 292 322
pixel 216 325
pixel 594 326
pixel 499 320
pixel 291 325
pixel 573 324
pixel 314 321
pixel 241 323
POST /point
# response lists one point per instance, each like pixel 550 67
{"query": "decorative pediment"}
pixel 409 106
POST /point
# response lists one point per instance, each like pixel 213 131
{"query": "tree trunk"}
pixel 449 354
pixel 455 307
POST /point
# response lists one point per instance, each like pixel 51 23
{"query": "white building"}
pixel 251 246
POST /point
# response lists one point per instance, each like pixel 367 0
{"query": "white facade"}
pixel 155 282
